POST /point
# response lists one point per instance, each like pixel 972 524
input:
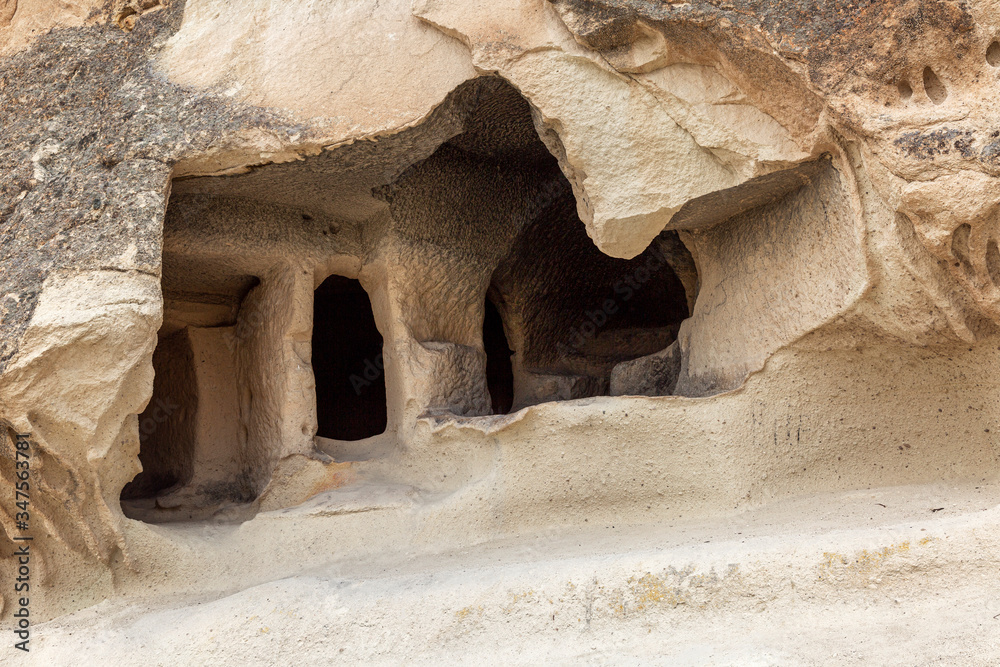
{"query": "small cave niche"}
pixel 993 262
pixel 934 86
pixel 347 362
pixel 960 247
pixel 166 435
pixel 583 312
pixel 190 441
pixel 993 54
pixel 905 90
pixel 211 372
pixel 499 371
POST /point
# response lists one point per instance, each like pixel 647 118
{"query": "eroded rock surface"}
pixel 422 275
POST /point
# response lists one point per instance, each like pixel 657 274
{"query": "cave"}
pixel 491 210
pixel 347 362
pixel 460 237
pixel 166 437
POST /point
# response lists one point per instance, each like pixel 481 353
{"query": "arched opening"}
pixel 347 362
pixel 499 371
pixel 493 200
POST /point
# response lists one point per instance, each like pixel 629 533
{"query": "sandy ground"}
pixel 862 578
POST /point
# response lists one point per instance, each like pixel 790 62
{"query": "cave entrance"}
pixel 578 313
pixel 499 371
pixel 570 311
pixel 347 362
pixel 191 447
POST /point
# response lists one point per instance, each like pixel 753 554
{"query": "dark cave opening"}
pixel 499 371
pixel 571 311
pixel 347 362
pixel 166 434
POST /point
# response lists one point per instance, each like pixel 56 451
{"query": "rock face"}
pixel 287 287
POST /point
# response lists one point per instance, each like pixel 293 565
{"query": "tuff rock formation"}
pixel 491 331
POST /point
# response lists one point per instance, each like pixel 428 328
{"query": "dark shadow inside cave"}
pixel 347 362
pixel 499 372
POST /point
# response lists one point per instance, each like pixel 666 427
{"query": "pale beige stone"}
pixel 358 68
pixel 629 182
pixel 22 21
pixel 807 287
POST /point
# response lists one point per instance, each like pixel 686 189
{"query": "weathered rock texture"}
pixel 291 287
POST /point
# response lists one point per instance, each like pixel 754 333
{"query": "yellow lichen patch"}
pixel 672 587
pixel 650 590
pixel 830 559
pixel 865 563
pixel 465 612
pixel 515 598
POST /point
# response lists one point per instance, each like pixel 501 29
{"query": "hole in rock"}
pixel 502 210
pixel 993 262
pixel 905 90
pixel 960 246
pixel 993 53
pixel 499 372
pixel 347 362
pixel 166 435
pixel 571 311
pixel 934 87
pixel 582 312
